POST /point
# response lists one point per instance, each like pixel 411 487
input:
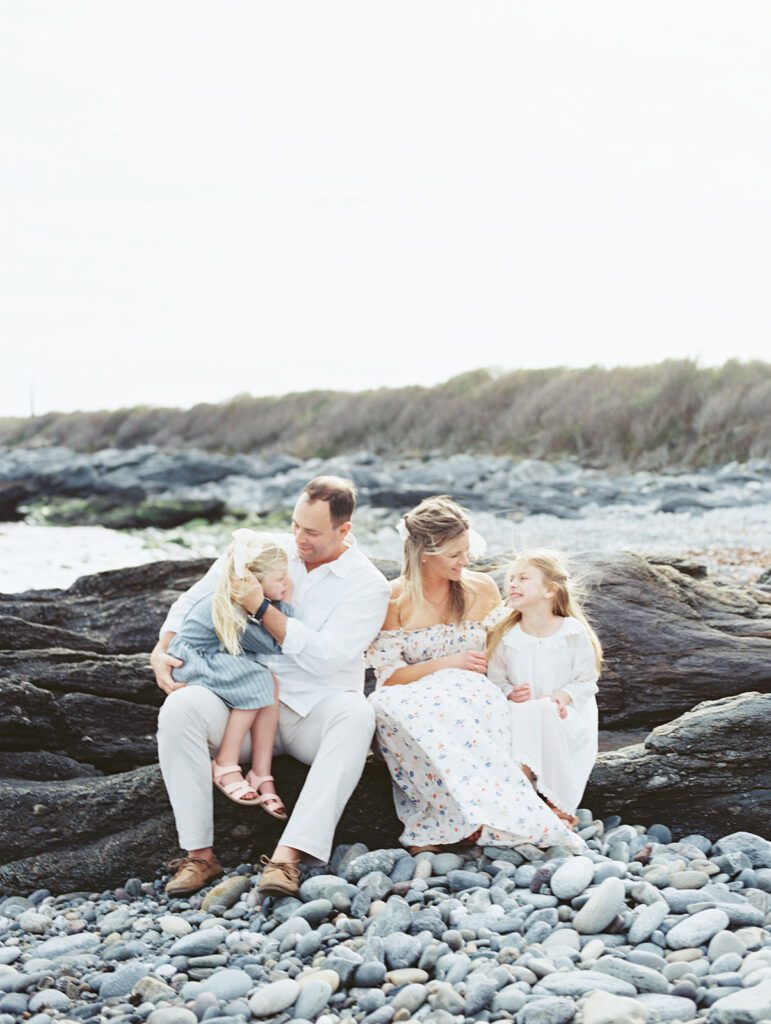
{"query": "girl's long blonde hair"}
pixel 259 554
pixel 566 598
pixel 430 527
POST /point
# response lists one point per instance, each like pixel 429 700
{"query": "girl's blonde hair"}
pixel 430 528
pixel 259 554
pixel 566 598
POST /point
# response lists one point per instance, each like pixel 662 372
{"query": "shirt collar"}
pixel 342 565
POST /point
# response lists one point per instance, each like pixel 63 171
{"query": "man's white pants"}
pixel 333 739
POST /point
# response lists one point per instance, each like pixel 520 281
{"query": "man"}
pixel 340 600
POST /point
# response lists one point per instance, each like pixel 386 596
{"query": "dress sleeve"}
pixel 582 685
pixel 386 654
pixel 498 669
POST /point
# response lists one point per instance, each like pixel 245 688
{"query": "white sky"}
pixel 202 199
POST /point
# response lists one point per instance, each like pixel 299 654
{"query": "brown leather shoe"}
pixel 279 878
pixel 192 874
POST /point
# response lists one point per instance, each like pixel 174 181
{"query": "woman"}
pixel 442 726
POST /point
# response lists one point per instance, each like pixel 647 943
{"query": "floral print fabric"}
pixel 445 739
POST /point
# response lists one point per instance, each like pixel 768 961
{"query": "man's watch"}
pixel 258 615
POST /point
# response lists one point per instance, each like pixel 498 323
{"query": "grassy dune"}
pixel 671 414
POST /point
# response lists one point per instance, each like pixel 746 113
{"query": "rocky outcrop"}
pixel 78 707
pixel 708 770
pixel 148 486
pixel 672 640
pixel 92 832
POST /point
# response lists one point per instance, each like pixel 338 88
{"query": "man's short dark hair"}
pixel 339 493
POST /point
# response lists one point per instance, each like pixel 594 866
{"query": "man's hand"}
pixel 468 661
pixel 162 663
pixel 248 593
pixel 562 701
pixel 519 694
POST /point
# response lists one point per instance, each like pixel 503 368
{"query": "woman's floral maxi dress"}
pixel 445 739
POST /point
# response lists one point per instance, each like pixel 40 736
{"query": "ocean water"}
pixel 735 542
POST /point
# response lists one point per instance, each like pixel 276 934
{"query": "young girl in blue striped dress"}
pixel 227 651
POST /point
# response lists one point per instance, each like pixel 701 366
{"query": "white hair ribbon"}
pixel 477 545
pixel 401 529
pixel 243 549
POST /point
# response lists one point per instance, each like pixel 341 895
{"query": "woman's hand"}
pixel 519 694
pixel 248 593
pixel 468 661
pixel 562 700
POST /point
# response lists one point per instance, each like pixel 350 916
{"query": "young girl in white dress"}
pixel 226 650
pixel 546 658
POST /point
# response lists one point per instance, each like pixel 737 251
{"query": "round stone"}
pixel 34 923
pixel 572 878
pixel 601 908
pixel 370 975
pixel 49 999
pixel 665 1008
pixel 172 924
pixel 697 929
pixel 122 981
pixel 688 879
pixel 547 1011
pixel 406 976
pixel 410 998
pixel 312 999
pixel 172 1015
pixel 605 1008
pixel 401 950
pixel 273 998
pixel 227 984
pixel 646 920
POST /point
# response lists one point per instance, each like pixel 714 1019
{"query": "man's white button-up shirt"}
pixel 339 608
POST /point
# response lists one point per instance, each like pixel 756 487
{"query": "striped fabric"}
pixel 241 681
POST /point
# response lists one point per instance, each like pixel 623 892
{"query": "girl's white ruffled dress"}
pixel 559 751
pixel 445 739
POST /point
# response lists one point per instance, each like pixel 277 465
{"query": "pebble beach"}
pixel 638 929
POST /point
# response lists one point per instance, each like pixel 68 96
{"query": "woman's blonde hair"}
pixel 566 598
pixel 259 554
pixel 430 528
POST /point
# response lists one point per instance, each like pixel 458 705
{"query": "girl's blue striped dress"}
pixel 241 680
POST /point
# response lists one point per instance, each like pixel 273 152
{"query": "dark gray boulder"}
pixel 706 772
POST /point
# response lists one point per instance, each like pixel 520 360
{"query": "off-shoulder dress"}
pixel 445 739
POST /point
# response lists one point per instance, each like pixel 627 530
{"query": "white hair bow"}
pixel 243 550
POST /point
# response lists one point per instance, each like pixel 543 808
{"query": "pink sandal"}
pixel 235 791
pixel 278 810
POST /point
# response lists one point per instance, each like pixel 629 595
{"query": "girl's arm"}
pixel 582 685
pixel 498 670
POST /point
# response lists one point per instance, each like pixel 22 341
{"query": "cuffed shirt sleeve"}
pixel 345 634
